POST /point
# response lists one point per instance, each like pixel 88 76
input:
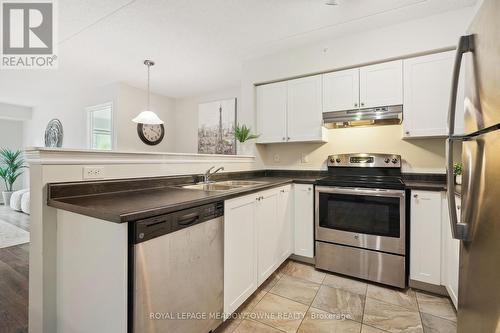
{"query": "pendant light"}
pixel 148 117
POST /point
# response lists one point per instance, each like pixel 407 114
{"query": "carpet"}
pixel 11 235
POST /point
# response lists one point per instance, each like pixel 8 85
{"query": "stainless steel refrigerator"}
pixel 478 227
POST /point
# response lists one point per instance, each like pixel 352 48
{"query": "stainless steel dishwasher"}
pixel 177 274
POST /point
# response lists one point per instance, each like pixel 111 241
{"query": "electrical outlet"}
pixel 276 158
pixel 93 172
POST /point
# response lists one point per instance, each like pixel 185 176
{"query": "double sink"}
pixel 226 185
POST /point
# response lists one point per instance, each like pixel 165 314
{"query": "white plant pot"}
pixel 6 197
pixel 458 179
pixel 244 148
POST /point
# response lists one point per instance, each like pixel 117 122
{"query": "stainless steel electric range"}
pixel 361 218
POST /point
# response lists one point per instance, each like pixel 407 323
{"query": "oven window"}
pixel 360 213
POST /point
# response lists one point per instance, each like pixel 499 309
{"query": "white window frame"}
pixel 89 110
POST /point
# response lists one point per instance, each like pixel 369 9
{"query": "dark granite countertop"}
pixel 132 205
pixel 126 200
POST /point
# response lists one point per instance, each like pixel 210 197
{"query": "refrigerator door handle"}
pixel 465 45
pixel 459 230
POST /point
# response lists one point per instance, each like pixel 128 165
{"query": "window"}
pixel 100 126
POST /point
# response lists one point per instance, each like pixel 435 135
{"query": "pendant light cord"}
pixel 149 91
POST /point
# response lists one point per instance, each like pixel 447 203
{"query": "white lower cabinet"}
pixel 240 251
pixel 425 237
pixel 303 220
pixel 257 239
pixel 434 254
pixel 450 253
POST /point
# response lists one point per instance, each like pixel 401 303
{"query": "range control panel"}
pixel 365 160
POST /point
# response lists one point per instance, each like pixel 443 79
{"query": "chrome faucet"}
pixel 208 174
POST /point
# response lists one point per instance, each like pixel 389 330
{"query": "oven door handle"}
pixel 361 191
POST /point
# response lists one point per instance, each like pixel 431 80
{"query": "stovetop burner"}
pixel 364 170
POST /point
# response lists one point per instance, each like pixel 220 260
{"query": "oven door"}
pixel 367 218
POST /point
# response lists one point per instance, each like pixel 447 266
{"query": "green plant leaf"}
pixel 13 163
pixel 242 133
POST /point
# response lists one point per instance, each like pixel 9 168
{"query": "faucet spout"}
pixel 209 173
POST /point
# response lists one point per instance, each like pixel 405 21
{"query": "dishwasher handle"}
pixel 188 219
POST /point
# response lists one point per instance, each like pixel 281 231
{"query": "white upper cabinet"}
pixel 381 84
pixel 341 90
pixel 290 111
pixel 425 234
pixel 304 115
pixel 427 87
pixel 271 112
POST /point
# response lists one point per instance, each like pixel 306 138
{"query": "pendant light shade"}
pixel 148 117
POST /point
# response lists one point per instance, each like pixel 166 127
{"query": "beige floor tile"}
pixel 354 286
pixel 228 326
pixel 369 329
pixel 436 306
pixel 271 281
pixel 279 312
pixel 405 298
pixel 433 324
pixel 318 321
pixel 303 271
pixel 251 302
pixel 250 326
pixel 299 290
pixel 391 318
pixel 340 302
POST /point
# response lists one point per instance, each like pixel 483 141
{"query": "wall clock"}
pixel 151 134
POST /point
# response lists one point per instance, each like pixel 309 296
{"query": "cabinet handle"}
pixel 309 189
pixel 284 138
pixel 355 104
pixel 415 195
pixel 458 207
pixel 407 132
pixel 288 139
pixel 362 104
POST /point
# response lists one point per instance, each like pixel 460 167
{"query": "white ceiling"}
pixel 198 45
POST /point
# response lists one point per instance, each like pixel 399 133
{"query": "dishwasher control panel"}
pixel 157 226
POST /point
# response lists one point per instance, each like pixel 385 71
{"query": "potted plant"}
pixel 11 165
pixel 243 135
pixel 457 171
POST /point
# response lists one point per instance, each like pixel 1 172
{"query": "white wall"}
pixel 409 38
pixel 14 112
pixel 186 118
pixel 11 137
pixel 129 101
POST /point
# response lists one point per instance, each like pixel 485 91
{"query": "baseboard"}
pixel 432 288
pixel 303 259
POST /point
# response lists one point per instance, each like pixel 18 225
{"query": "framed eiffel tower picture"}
pixel 216 122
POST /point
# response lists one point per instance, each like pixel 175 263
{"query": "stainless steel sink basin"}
pixel 240 183
pixel 210 187
pixel 226 185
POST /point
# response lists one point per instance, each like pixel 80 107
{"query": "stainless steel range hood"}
pixel 385 115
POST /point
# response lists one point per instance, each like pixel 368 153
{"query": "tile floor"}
pixel 298 298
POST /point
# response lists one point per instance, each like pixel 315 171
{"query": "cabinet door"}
pixel 341 90
pixel 267 234
pixel 240 265
pixel 425 243
pixel 427 86
pixel 271 112
pixel 304 111
pixel 381 84
pixel 284 234
pixel 304 220
pixel 450 255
